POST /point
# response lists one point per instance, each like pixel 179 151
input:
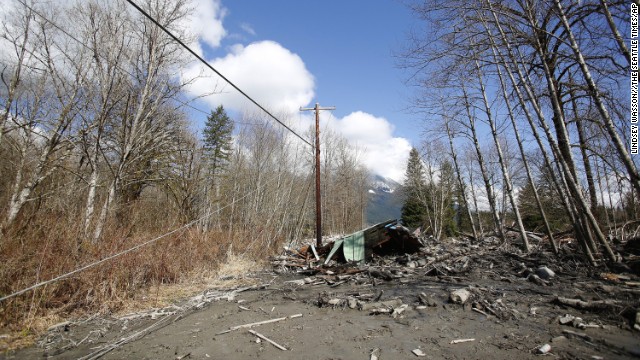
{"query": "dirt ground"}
pixel 510 313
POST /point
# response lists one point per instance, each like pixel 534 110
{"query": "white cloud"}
pixel 206 23
pixel 382 153
pixel 248 29
pixel 274 76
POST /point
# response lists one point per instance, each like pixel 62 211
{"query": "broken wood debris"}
pixel 586 305
pixel 460 341
pixel 375 354
pixel 418 352
pixel 244 326
pixel 268 340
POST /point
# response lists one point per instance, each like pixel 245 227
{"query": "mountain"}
pixel 385 200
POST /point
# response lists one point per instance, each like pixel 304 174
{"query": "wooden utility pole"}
pixel 317 109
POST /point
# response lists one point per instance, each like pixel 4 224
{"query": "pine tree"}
pixel 549 196
pixel 217 140
pixel 217 134
pixel 414 210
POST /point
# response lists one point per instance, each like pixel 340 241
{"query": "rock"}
pixel 545 273
pixel 637 324
pixel 352 302
pixel 566 319
pixel 544 349
pixel 422 262
pixel 459 296
pixel 427 300
pixel 577 322
pixel 536 280
pixel 390 304
pixel 334 302
pixel 558 339
pixel 399 310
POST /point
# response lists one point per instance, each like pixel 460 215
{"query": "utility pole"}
pixel 317 109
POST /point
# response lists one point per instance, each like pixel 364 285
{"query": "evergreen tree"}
pixel 549 197
pixel 217 138
pixel 413 209
pixel 218 131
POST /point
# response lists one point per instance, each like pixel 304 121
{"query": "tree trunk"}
pixel 503 166
pixel 593 197
pixel 532 99
pixel 485 176
pixel 514 125
pixel 614 30
pixel 595 95
pixel 463 187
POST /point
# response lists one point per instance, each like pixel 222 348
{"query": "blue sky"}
pixel 289 54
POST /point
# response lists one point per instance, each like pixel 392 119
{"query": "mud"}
pixel 508 316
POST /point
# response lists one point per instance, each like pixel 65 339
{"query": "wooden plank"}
pixel 244 326
pixel 268 340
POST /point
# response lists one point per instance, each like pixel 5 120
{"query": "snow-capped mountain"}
pixel 383 185
pixel 385 200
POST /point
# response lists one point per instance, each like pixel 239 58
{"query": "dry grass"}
pixel 173 268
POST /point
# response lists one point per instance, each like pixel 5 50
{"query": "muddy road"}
pixel 394 308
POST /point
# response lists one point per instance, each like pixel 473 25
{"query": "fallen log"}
pixel 586 305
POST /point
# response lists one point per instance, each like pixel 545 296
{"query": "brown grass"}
pixel 172 268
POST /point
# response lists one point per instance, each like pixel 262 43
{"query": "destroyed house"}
pixel 386 238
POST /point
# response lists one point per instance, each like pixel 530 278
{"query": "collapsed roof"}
pixel 385 238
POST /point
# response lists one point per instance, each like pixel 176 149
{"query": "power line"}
pixel 136 247
pixel 214 70
pixel 181 102
pixel 131 249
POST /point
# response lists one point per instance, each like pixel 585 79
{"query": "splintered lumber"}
pixel 480 311
pixel 586 305
pixel 268 340
pixel 244 326
pixel 315 253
